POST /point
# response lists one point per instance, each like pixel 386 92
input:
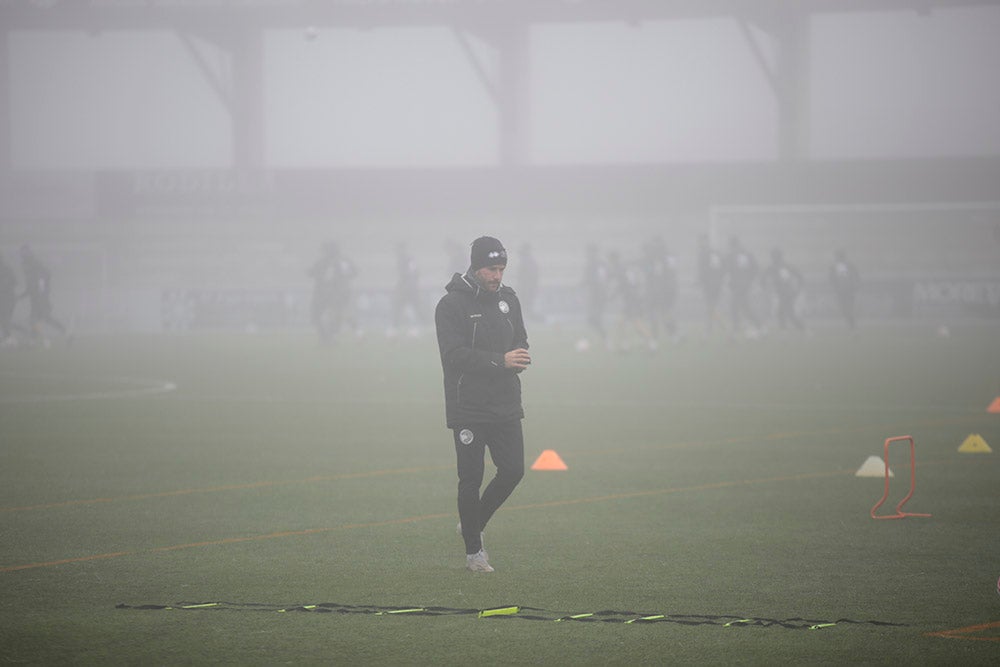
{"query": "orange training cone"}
pixel 549 460
pixel 994 406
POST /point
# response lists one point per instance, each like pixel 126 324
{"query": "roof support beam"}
pixel 217 80
pixel 507 87
pixel 247 110
pixel 787 72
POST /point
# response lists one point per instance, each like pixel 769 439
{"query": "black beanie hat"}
pixel 486 251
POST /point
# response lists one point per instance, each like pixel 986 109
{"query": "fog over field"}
pixel 160 152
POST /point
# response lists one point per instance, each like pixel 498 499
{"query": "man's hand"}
pixel 518 359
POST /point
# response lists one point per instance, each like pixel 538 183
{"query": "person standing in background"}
pixel 332 275
pixel 741 269
pixel 711 276
pixel 596 284
pixel 846 280
pixel 660 267
pixel 785 283
pixel 628 289
pixel 527 282
pixel 38 289
pixel 407 306
pixel 8 301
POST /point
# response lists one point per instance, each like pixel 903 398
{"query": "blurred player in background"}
pixel 407 304
pixel 628 289
pixel 711 277
pixel 38 289
pixel 8 301
pixel 660 268
pixel 785 282
pixel 528 276
pixel 845 279
pixel 741 270
pixel 332 275
pixel 457 256
pixel 596 284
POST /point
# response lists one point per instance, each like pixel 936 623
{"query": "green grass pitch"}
pixel 710 490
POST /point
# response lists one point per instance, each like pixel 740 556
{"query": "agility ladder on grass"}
pixel 519 612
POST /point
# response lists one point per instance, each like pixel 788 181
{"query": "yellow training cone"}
pixel 975 444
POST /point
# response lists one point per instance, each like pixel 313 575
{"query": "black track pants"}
pixel 506 444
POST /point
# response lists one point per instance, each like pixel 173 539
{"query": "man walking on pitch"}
pixel 484 347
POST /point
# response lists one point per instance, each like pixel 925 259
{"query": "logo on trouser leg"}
pixel 466 436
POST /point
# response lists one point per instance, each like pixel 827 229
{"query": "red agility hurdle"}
pixel 913 481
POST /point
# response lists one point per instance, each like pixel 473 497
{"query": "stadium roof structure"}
pixel 136 14
pixel 237 26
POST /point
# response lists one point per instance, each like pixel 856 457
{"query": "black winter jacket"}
pixel 475 328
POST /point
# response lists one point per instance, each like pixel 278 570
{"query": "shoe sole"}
pixel 479 569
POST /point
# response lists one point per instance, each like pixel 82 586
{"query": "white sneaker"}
pixel 482 538
pixel 477 562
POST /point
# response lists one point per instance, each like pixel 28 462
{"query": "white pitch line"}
pixel 136 387
pixel 825 407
